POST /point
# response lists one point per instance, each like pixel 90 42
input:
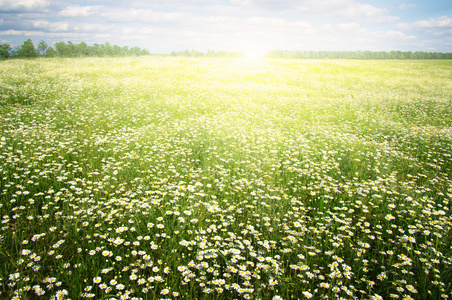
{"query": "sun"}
pixel 255 54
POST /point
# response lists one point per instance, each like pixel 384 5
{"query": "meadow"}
pixel 229 178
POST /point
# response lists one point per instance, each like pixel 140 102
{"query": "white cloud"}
pixel 79 11
pixel 50 26
pixel 443 22
pixel 91 27
pixel 398 35
pixel 141 15
pixel 404 6
pixel 12 32
pixel 444 33
pixel 366 13
pixel 349 26
pixel 439 22
pixel 267 21
pixel 349 9
pixel 40 34
pixel 98 14
pixel 23 5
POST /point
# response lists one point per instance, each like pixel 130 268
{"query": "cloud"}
pixel 349 26
pixel 79 11
pixel 50 26
pixel 12 32
pixel 23 5
pixel 301 25
pixel 91 27
pixel 141 15
pixel 394 34
pixel 366 13
pixel 440 22
pixel 348 9
pixel 40 34
pixel 405 6
pixel 443 22
pixel 267 21
pixel 99 14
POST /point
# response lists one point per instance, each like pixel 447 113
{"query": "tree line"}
pixel 357 55
pixel 67 49
pixel 209 53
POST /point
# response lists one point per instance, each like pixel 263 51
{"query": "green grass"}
pixel 163 177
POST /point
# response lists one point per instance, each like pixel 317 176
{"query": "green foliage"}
pixel 50 52
pixel 209 53
pixel 27 49
pixel 5 50
pixel 82 50
pixel 42 47
pixel 357 55
pixel 68 49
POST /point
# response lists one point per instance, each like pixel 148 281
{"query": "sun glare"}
pixel 255 54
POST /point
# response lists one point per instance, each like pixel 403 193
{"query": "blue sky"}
pixel 253 26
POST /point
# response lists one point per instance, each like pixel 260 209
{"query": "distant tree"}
pixel 5 50
pixel 135 51
pixel 69 49
pixel 209 53
pixel 116 50
pixel 101 50
pixel 14 52
pixel 72 51
pixel 61 48
pixel 93 50
pixel 358 54
pixel 108 49
pixel 82 49
pixel 125 51
pixel 27 49
pixel 50 52
pixel 42 47
pixel 144 52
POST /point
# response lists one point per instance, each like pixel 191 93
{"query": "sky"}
pixel 251 26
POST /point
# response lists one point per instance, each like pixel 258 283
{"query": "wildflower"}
pixel 97 279
pixel 389 217
pixel 61 293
